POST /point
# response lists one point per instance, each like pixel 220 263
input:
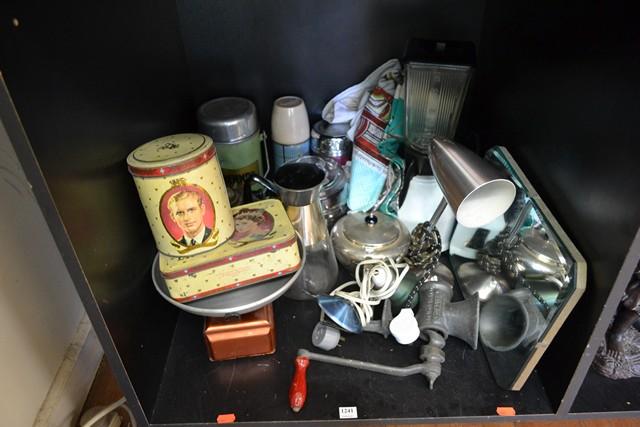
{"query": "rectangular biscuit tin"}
pixel 263 246
pixel 251 334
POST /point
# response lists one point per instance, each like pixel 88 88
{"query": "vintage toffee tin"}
pixel 183 193
pixel 263 246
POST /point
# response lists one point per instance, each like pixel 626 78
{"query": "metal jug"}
pixel 298 186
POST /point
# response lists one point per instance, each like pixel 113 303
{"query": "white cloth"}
pixel 348 104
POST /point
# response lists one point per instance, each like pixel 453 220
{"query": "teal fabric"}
pixel 389 149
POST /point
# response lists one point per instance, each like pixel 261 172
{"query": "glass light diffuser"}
pixel 435 95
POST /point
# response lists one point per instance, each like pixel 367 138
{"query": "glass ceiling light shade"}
pixel 474 189
pixel 435 94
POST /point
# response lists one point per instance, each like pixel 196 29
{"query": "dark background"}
pixel 556 83
pixel 313 49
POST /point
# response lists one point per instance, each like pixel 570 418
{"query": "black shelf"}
pixel 256 389
pixel 601 394
pixel 555 84
pixel 598 394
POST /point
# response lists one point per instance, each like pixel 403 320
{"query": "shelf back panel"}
pixel 558 85
pixel 312 49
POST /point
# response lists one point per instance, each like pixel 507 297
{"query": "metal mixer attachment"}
pixel 430 368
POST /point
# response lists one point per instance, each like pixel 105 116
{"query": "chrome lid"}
pixel 332 130
pixel 228 120
pixel 363 232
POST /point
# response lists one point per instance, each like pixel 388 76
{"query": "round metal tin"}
pixel 170 155
pixel 232 123
pixel 181 188
pixel 228 120
pixel 331 130
pixel 330 140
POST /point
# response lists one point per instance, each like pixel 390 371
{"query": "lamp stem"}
pixel 437 213
pixel 522 216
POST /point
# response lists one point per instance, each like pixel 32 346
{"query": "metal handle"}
pixel 387 190
pixel 437 213
pixel 298 390
pixel 263 136
pixel 359 364
pixel 264 182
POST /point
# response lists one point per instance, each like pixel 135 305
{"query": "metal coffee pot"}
pixel 298 186
pixel 334 188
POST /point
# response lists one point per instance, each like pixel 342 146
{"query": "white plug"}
pixel 378 278
pixel 404 327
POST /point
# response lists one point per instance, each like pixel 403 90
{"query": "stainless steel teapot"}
pixel 361 235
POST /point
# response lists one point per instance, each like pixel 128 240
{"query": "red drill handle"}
pixel 298 390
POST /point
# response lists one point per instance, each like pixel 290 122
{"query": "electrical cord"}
pixel 109 408
pixel 377 280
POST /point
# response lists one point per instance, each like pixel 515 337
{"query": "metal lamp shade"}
pixel 341 312
pixel 474 189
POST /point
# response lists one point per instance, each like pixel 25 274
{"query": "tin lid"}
pixel 228 120
pixel 171 154
pixel 332 130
